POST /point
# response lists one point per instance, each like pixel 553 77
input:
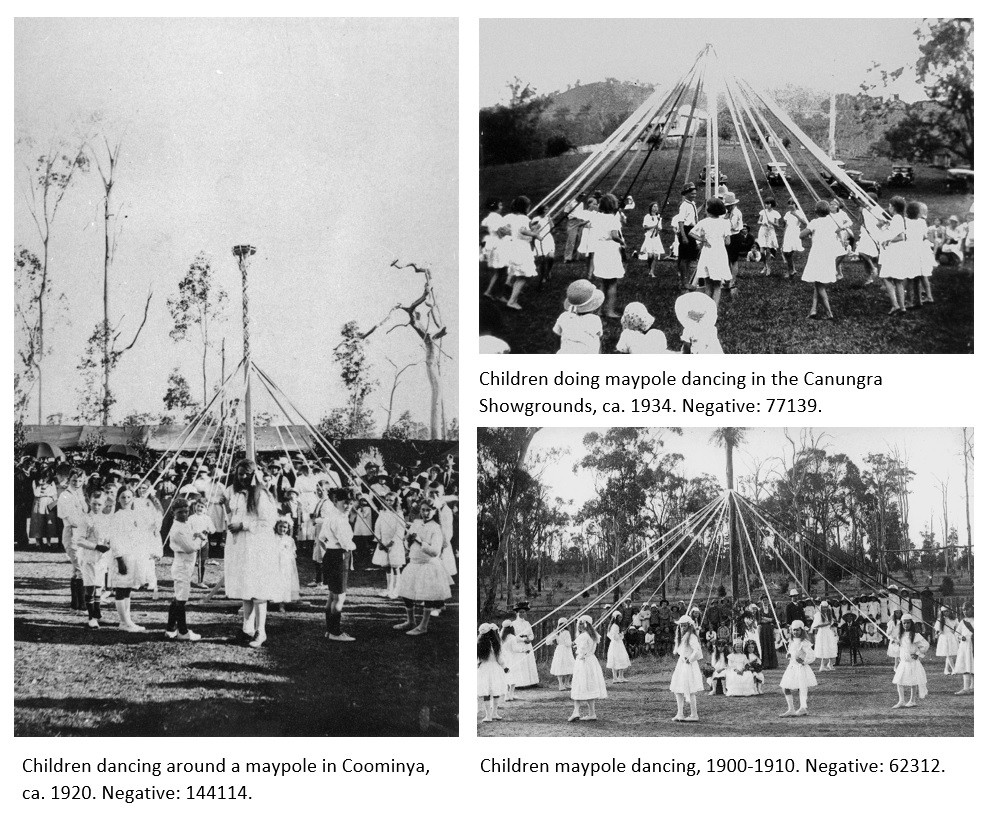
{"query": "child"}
pixel 686 682
pixel 715 234
pixel 844 233
pixel 798 676
pixel 201 523
pixel 389 534
pixel 820 268
pixel 720 662
pixel 579 328
pixel 588 682
pixel 618 657
pixel 291 588
pixel 652 247
pixel 521 261
pixel 511 650
pixel 921 253
pixel 185 543
pixel 893 632
pixel 826 642
pixel 698 313
pixel 910 673
pixel 896 265
pixel 563 658
pixel 129 553
pixel 607 245
pixel 947 642
pixel 767 236
pixel 794 219
pixel 93 543
pixel 491 245
pixel 574 224
pixel 636 322
pixel 739 680
pixel 649 642
pixel 491 683
pixel 869 243
pixel 754 664
pixel 965 652
pixel 543 246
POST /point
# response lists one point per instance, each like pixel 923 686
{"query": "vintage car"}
pixel 703 175
pixel 960 179
pixel 901 176
pixel 777 173
pixel 857 177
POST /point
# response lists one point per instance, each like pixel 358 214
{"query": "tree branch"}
pixel 145 317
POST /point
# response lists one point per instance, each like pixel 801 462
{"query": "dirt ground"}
pixel 847 702
pixel 69 680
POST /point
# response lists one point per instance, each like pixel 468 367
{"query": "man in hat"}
pixel 528 673
pixel 687 248
pixel 794 610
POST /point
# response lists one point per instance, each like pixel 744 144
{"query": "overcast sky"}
pixel 813 53
pixel 933 454
pixel 328 144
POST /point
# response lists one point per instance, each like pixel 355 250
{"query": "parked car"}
pixel 901 176
pixel 829 178
pixel 960 179
pixel 868 185
pixel 703 175
pixel 777 173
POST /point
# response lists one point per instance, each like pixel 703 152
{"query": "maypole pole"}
pixel 712 91
pixel 243 253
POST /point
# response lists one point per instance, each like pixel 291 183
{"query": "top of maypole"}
pixel 243 251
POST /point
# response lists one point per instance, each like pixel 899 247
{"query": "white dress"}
pixel 563 657
pixel 826 641
pixel 892 632
pixel 128 542
pixel 307 486
pixel 965 652
pixel 424 579
pixel 252 554
pixel 714 260
pixel 821 264
pixel 579 333
pixel 767 234
pixel 544 245
pixel 491 223
pixel 921 251
pixel 947 642
pixel 588 680
pixel 528 673
pixel 869 242
pixel 584 244
pixel 739 684
pixel 389 533
pixel 897 259
pixel 290 581
pixel 520 260
pixel 792 233
pixel 512 651
pixel 799 674
pixel 652 244
pixel 618 657
pixel 608 263
pixel 686 678
pixel 910 671
pixel 491 680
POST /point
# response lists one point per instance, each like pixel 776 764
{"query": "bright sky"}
pixel 330 145
pixel 812 53
pixel 933 458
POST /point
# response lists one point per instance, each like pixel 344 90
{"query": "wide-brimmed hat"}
pixel 797 624
pixel 522 606
pixel 684 619
pixel 688 188
pixel 729 198
pixel 908 616
pixel 695 307
pixel 562 621
pixel 893 588
pixel 637 316
pixel 793 593
pixel 583 297
pixel 584 618
pixel 954 218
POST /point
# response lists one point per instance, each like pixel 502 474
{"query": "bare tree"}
pixel 398 373
pixel 968 455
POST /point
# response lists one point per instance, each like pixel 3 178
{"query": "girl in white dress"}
pixel 826 641
pixel 562 666
pixel 893 632
pixel 652 247
pixel 920 253
pixel 794 220
pixel 521 260
pixel 686 682
pixel 512 650
pixel 495 237
pixel 965 652
pixel 424 580
pixel 150 516
pixel 491 683
pixel 844 233
pixel 947 642
pixel 544 246
pixel 618 657
pixel 488 232
pixel 820 268
pixel 770 218
pixel 579 327
pixel 910 674
pixel 588 684
pixel 798 676
pixel 636 326
pixel 389 531
pixel 129 555
pixel 869 243
pixel 584 249
pixel 714 233
pixel 606 245
pixel 290 582
pixel 754 662
pixel 739 676
pixel 720 662
pixel 896 262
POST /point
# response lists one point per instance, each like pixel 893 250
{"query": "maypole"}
pixel 243 253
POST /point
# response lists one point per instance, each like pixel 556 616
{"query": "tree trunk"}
pixel 432 367
pixel 106 408
pixel 41 323
pixel 734 551
pixel 967 506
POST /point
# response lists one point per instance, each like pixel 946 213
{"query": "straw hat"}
pixel 793 593
pixel 729 198
pixel 583 297
pixel 637 316
pixel 695 307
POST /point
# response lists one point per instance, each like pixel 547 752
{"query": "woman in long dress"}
pixel 252 552
pixel 826 640
pixel 528 674
pixel 910 673
pixel 686 682
pixel 562 666
pixel 768 649
pixel 965 651
pixel 947 642
pixel 423 580
pixel 798 676
pixel 618 657
pixel 129 555
pixel 588 683
pixel 820 268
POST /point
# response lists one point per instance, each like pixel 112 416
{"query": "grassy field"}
pixel 768 315
pixel 847 702
pixel 69 680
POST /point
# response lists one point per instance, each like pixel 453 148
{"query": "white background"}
pixel 921 391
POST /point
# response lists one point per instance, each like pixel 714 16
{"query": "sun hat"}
pixel 583 297
pixel 584 618
pixel 636 316
pixel 953 217
pixel 695 307
pixel 793 593
pixel 522 606
pixel 684 619
pixel 908 616
pixel 729 198
pixel 562 621
pixel 797 624
pixel 688 188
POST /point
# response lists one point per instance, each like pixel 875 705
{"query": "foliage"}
pixel 342 423
pixel 177 398
pixel 30 290
pixel 351 356
pixel 405 428
pixel 517 131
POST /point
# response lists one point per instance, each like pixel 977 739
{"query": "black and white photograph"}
pixel 728 582
pixel 236 469
pixel 725 186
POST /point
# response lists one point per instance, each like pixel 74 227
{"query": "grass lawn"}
pixel 768 315
pixel 848 702
pixel 69 680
